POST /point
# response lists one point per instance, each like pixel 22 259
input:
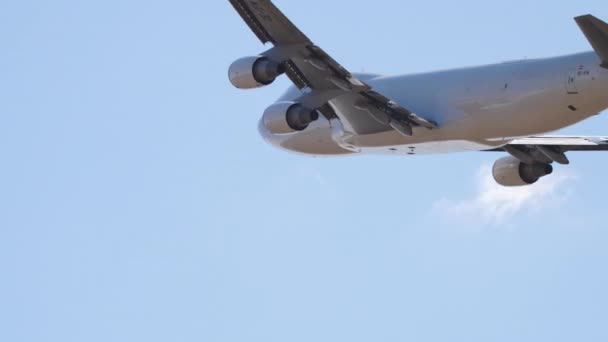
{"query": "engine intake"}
pixel 510 171
pixel 288 117
pixel 254 72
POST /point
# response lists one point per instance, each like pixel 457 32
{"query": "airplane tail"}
pixel 596 32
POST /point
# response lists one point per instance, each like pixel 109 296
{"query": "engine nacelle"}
pixel 288 117
pixel 509 171
pixel 254 72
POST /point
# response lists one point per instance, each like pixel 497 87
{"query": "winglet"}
pixel 596 32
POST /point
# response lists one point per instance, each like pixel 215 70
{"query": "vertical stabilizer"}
pixel 596 32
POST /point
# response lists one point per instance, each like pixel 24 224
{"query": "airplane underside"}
pixel 510 108
pixel 507 107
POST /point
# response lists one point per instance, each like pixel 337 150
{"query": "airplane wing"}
pixel 318 74
pixel 548 149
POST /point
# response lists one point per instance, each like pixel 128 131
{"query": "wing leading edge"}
pixel 310 68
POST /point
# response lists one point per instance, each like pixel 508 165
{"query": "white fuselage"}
pixel 475 108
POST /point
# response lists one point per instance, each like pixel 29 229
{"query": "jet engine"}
pixel 510 171
pixel 254 72
pixel 288 117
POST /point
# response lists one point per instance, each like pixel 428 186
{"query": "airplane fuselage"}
pixel 475 108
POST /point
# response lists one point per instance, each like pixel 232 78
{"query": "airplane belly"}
pixel 436 147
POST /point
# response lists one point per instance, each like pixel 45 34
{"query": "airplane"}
pixel 507 107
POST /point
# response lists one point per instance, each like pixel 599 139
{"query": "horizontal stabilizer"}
pixel 596 32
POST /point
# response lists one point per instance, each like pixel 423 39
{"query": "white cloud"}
pixel 493 204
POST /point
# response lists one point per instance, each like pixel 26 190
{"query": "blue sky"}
pixel 137 201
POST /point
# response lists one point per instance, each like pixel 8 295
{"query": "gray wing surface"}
pixel 311 68
pixel 550 149
pixel 566 143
